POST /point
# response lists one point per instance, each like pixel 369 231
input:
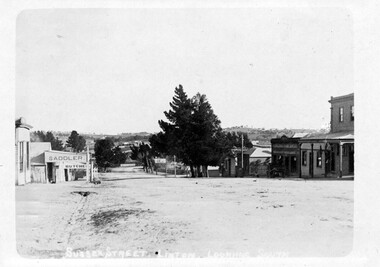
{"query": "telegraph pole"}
pixel 87 165
pixel 175 168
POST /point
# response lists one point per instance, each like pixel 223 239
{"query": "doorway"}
pixel 351 159
pixel 311 163
pixel 50 171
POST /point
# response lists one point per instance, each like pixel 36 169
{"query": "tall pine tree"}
pixel 192 133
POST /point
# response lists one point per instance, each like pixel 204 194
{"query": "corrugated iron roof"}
pixel 299 135
pixel 261 153
pixel 323 136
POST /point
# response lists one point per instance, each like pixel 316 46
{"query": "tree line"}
pixel 75 142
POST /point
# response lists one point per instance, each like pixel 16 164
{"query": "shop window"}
pixel 27 156
pixel 341 114
pixel 345 152
pixel 319 159
pixel 304 158
pixel 352 113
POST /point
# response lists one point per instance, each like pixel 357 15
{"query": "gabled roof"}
pixel 299 135
pixel 37 148
pixel 261 152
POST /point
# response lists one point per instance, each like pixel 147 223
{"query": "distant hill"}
pixel 255 134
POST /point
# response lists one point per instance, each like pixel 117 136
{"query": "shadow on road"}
pixel 130 178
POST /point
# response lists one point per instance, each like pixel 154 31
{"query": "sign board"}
pixel 66 157
pixel 159 160
pixel 75 166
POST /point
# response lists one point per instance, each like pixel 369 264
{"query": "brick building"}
pixel 342 113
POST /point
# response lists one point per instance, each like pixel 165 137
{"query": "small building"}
pixel 54 166
pixel 331 154
pixel 37 150
pixel 259 160
pixel 229 167
pixel 60 165
pixel 22 149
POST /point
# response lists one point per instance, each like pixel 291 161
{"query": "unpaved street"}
pixel 152 216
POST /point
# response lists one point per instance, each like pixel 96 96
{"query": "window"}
pixel 21 158
pixel 27 156
pixel 345 153
pixel 293 164
pixel 319 159
pixel 341 114
pixel 352 113
pixel 304 158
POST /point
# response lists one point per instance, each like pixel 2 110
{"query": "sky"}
pixel 115 70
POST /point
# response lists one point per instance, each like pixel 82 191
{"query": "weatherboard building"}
pixel 36 162
pixel 331 154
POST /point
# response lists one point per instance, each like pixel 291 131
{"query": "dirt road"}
pixel 133 214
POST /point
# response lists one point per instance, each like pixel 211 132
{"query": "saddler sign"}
pixel 61 166
pixel 65 157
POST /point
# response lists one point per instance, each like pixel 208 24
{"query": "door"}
pixel 287 163
pixel 293 165
pixel 311 163
pixel 351 159
pixel 66 175
pixel 50 171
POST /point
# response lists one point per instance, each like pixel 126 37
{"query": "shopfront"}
pixel 61 166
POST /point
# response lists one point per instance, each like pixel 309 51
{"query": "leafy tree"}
pixel 76 142
pixel 104 153
pixel 56 144
pixel 118 156
pixel 235 139
pixel 143 153
pixel 107 155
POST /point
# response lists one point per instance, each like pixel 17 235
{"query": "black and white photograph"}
pixel 191 133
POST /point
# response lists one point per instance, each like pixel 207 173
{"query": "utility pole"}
pixel 87 165
pixel 166 166
pixel 175 168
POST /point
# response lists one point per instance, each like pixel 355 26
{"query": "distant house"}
pixel 259 160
